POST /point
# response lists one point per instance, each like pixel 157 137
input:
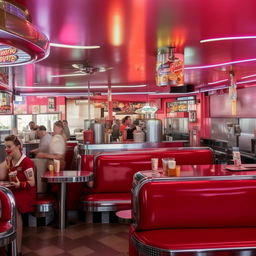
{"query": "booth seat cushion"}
pixel 42 198
pixel 107 202
pixel 191 239
pixel 108 197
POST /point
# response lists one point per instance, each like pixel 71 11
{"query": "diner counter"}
pixel 92 149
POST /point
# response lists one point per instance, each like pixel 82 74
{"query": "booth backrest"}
pixel 114 171
pixel 87 160
pixel 6 207
pixel 195 204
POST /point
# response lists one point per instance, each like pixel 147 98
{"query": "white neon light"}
pixel 70 75
pixel 245 82
pixel 81 87
pixel 75 46
pixel 245 77
pixel 220 64
pixel 217 82
pixel 226 38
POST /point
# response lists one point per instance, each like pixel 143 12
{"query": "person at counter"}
pixel 20 170
pixel 126 129
pixel 33 130
pixel 57 146
pixel 45 139
pixel 66 129
pixel 116 130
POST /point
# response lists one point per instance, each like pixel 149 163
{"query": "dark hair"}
pixel 14 139
pixel 42 128
pixel 64 121
pixel 59 124
pixel 125 118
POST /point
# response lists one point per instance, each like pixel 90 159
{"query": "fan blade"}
pixel 104 69
pixel 78 66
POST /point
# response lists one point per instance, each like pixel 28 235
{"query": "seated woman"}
pixel 20 168
pixel 57 147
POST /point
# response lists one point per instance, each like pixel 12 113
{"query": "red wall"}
pixel 39 100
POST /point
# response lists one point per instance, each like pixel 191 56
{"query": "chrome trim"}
pixel 92 149
pixel 68 177
pixel 43 208
pixel 148 250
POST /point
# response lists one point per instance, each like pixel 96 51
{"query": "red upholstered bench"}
pixel 8 220
pixel 114 174
pixel 206 217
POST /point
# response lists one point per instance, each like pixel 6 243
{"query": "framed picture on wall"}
pixel 51 104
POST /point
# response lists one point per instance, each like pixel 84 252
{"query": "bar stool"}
pixel 8 220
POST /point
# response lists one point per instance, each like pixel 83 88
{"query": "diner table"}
pixel 202 172
pixel 64 177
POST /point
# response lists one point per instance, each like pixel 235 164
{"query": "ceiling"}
pixel 129 33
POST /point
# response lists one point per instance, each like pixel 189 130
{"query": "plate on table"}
pixel 243 167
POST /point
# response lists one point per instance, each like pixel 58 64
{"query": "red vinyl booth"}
pixel 114 174
pixel 213 217
pixel 8 220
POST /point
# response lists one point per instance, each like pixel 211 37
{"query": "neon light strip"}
pixel 220 81
pixel 245 77
pixel 75 46
pixel 81 87
pixel 227 38
pixel 70 75
pixel 220 64
pixel 245 82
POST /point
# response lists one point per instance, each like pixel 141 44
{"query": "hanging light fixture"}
pixel 20 42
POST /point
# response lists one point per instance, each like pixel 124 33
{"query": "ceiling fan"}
pixel 83 70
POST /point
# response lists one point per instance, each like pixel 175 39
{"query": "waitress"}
pixel 126 129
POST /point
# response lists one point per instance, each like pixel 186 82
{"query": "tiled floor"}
pixel 77 240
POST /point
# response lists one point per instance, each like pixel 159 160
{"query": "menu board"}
pixel 121 107
pixel 177 106
pixel 5 103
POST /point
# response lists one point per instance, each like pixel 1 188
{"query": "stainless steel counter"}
pixel 92 149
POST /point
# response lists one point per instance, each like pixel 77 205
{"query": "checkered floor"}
pixel 76 240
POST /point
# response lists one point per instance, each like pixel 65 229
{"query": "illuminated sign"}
pixel 169 67
pixel 186 98
pixel 8 55
pixel 11 55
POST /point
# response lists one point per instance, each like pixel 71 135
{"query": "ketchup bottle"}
pixel 88 136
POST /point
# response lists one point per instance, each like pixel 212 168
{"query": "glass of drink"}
pixel 165 164
pixel 12 176
pixel 171 168
pixel 154 164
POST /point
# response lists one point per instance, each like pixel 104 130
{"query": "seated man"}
pixel 45 139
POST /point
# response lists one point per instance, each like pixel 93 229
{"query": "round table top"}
pixel 67 176
pixel 6 183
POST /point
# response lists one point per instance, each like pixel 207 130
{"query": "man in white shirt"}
pixel 45 139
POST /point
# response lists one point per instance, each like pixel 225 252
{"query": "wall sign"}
pixel 51 104
pixel 5 103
